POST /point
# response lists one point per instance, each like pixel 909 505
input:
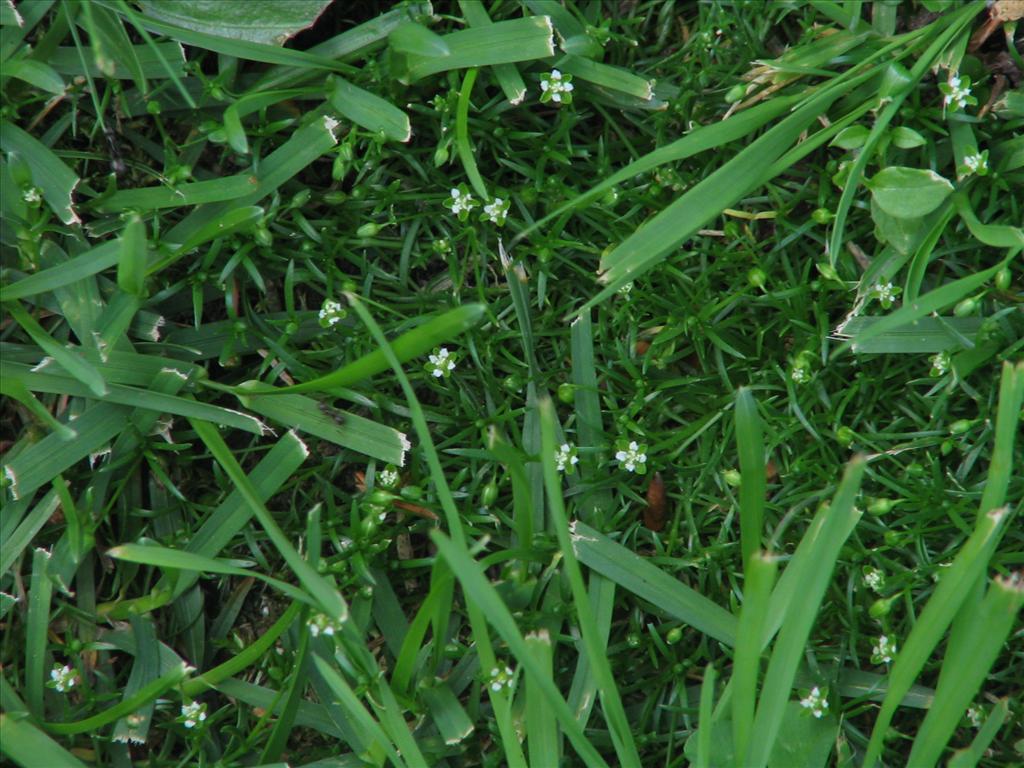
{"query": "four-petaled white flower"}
pixel 632 456
pixel 193 713
pixel 884 293
pixel 625 289
pixel 32 195
pixel 816 702
pixel 974 164
pixel 496 211
pixel 957 92
pixel 556 87
pixel 799 374
pixel 566 458
pixel 874 578
pixel 940 363
pixel 884 650
pixel 442 363
pixel 63 678
pixel 331 313
pixel 460 202
pixel 322 624
pixel 500 678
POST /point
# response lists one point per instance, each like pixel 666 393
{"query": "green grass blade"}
pixel 327 597
pixel 16 390
pixel 84 265
pixel 29 747
pixel 462 142
pixel 158 61
pixel 646 247
pixel 410 344
pixel 957 580
pixel 705 718
pixel 925 335
pixel 156 198
pixel 750 444
pixel 615 714
pixel 38 621
pixel 339 427
pixel 181 560
pixel 759 578
pixel 647 581
pixel 270 22
pixel 145 669
pixel 541 725
pixel 480 591
pixel 447 712
pixel 56 182
pixel 972 755
pixel 995 235
pixel 799 618
pixel 508 76
pixel 503 42
pixel 605 76
pixel 969 658
pixel 370 111
pixel 66 357
pixel 590 433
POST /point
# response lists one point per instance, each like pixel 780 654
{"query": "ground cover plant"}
pixel 511 383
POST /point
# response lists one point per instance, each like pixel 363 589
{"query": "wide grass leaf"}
pixel 272 22
pixel 55 181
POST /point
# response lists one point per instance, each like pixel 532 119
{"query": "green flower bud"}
pixel 845 436
pixel 674 635
pixel 489 494
pixel 966 308
pixel 732 477
pixel 882 606
pixel 822 216
pixel 567 393
pixel 881 505
pixel 960 426
pixel 757 277
pixel 370 229
pixel 1002 279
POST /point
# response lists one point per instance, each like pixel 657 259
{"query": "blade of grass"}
pixel 647 581
pixel 972 755
pixel 84 265
pixel 29 747
pixel 503 42
pixel 926 335
pixel 969 658
pixel 759 578
pixel 605 76
pixel 541 724
pixel 592 505
pixel 370 111
pixel 145 669
pixel 38 624
pixel 508 76
pixel 156 198
pixel 16 390
pixel 615 713
pixel 707 702
pixel 750 445
pixel 956 581
pixel 56 182
pixel 325 594
pixel 66 357
pixel 462 143
pixel 799 618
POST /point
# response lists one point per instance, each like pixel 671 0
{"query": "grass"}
pixel 691 435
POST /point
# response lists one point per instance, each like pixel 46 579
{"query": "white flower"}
pixel 31 195
pixel 816 702
pixel 388 478
pixel 556 87
pixel 442 363
pixel 461 201
pixel 322 624
pixel 975 715
pixel 874 578
pixel 625 289
pixel 883 651
pixel 500 678
pixel 940 363
pixel 194 713
pixel 566 458
pixel 958 92
pixel 331 313
pixel 975 162
pixel 63 678
pixel 799 375
pixel 496 211
pixel 632 456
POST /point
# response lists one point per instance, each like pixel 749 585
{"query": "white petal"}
pixel 567 87
pixel 556 96
pixel 556 75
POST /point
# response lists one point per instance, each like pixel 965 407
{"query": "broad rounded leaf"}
pixel 908 193
pixel 272 22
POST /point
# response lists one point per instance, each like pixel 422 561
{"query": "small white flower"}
pixel 957 92
pixel 331 313
pixel 566 458
pixel 940 363
pixel 884 293
pixel 632 456
pixel 975 162
pixel 194 713
pixel 496 211
pixel 461 201
pixel 500 678
pixel 63 678
pixel 975 714
pixel 442 363
pixel 556 87
pixel 322 624
pixel 884 650
pixel 816 702
pixel 31 195
pixel 388 478
pixel 625 289
pixel 874 578
pixel 799 375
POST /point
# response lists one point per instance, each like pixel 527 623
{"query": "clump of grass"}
pixel 366 403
